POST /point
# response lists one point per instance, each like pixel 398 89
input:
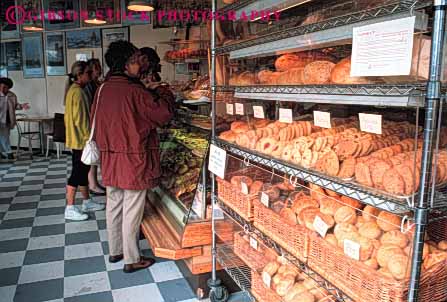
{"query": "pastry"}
pixel 370 213
pixel 345 214
pixel 394 238
pixel 398 266
pixel 329 206
pixel 388 222
pixel 387 252
pixel 342 228
pixel 370 230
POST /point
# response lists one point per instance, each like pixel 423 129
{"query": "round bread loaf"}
pixel 384 271
pixel 341 73
pixel 434 258
pixel 345 214
pixel 293 76
pixel 247 78
pixel 318 72
pixel 229 136
pixel 372 263
pixel 289 216
pixel 388 222
pixel 307 216
pixel 387 252
pixel 329 206
pixel 288 270
pixel 271 268
pixel 370 230
pixel 290 60
pixel 297 289
pixel 342 228
pixel 398 266
pixel 264 76
pixel 370 213
pixel 360 221
pixel 394 237
pixel 331 239
pixel 284 285
pixel 351 202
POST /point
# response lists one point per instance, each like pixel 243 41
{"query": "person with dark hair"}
pixel 90 89
pixel 150 65
pixel 77 132
pixel 127 116
pixel 8 107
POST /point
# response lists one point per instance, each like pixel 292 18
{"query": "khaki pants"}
pixel 124 214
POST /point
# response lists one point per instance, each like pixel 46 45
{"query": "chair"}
pixel 58 134
pixel 24 131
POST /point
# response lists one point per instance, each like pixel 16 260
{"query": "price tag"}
pixel 253 243
pixel 244 188
pixel 285 115
pixel 320 226
pixel 370 123
pixel 267 279
pixel 217 212
pixel 239 109
pixel 383 49
pixel 265 199
pixel 351 249
pixel 322 119
pixel 217 161
pixel 258 112
pixel 230 109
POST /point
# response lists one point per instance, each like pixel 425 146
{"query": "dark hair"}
pixel 118 55
pixel 7 81
pixel 151 54
pixel 77 68
pixel 94 62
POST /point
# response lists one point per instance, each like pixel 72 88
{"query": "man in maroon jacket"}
pixel 126 122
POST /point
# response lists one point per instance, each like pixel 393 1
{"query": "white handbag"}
pixel 91 154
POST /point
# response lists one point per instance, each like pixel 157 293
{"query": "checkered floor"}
pixel 45 258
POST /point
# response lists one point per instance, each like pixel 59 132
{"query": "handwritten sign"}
pixel 265 199
pixel 351 249
pixel 217 161
pixel 230 109
pixel 322 119
pixel 239 109
pixel 320 226
pixel 244 188
pixel 285 115
pixel 258 112
pixel 253 243
pixel 371 123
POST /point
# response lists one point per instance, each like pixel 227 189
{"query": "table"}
pixel 40 120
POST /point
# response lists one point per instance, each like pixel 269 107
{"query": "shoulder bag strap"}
pixel 94 115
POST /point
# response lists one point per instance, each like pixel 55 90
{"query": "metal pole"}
pixel 432 101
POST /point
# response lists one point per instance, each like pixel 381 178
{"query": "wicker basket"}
pixel 253 259
pixel 232 195
pixel 364 284
pixel 292 238
pixel 260 291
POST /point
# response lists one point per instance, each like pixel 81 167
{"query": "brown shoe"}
pixel 143 264
pixel 115 259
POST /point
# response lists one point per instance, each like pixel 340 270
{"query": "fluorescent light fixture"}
pixel 140 6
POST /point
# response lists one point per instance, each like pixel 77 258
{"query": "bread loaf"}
pixel 341 73
pixel 284 285
pixel 293 76
pixel 372 263
pixel 370 230
pixel 387 252
pixel 388 222
pixel 318 72
pixel 442 245
pixel 271 268
pixel 246 79
pixel 289 216
pixel 290 60
pixel 297 289
pixel 394 237
pixel 342 228
pixel 398 266
pixel 345 214
pixel 331 239
pixel 256 187
pixel 370 213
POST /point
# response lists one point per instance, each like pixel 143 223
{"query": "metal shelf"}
pixel 264 5
pixel 409 95
pixel 339 295
pixel 331 32
pixel 365 195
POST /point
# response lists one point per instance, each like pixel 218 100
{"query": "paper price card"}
pixel 383 49
pixel 244 188
pixel 322 119
pixel 351 249
pixel 267 279
pixel 320 226
pixel 230 109
pixel 217 212
pixel 265 199
pixel 285 115
pixel 253 243
pixel 371 123
pixel 258 112
pixel 239 109
pixel 217 161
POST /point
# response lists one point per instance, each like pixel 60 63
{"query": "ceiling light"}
pixel 32 27
pixel 140 6
pixel 95 21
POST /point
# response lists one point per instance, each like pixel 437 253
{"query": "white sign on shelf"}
pixel 322 119
pixel 258 112
pixel 383 49
pixel 267 279
pixel 371 123
pixel 351 249
pixel 253 243
pixel 265 199
pixel 244 188
pixel 217 161
pixel 320 226
pixel 217 212
pixel 239 109
pixel 230 109
pixel 285 115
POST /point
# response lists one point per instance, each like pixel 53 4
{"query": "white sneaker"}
pixel 73 213
pixel 91 206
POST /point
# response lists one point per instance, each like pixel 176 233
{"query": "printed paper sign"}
pixel 253 243
pixel 322 119
pixel 265 199
pixel 267 279
pixel 351 249
pixel 244 188
pixel 217 161
pixel 383 49
pixel 230 109
pixel 371 123
pixel 285 115
pixel 239 109
pixel 258 112
pixel 320 226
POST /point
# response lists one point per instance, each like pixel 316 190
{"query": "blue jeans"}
pixel 5 144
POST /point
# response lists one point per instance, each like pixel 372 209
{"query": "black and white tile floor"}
pixel 45 258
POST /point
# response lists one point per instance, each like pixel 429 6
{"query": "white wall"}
pixel 45 95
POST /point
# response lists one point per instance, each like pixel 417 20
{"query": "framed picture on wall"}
pixel 131 17
pixel 8 30
pixel 105 10
pixel 87 38
pixel 34 7
pixel 53 21
pixel 32 50
pixel 3 71
pixel 13 55
pixel 55 53
pixel 110 35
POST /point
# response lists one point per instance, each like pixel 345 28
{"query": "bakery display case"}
pixel 336 159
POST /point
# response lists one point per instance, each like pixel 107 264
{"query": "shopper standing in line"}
pixel 77 132
pixel 8 107
pixel 90 90
pixel 126 120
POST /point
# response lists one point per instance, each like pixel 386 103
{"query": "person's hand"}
pixel 26 106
